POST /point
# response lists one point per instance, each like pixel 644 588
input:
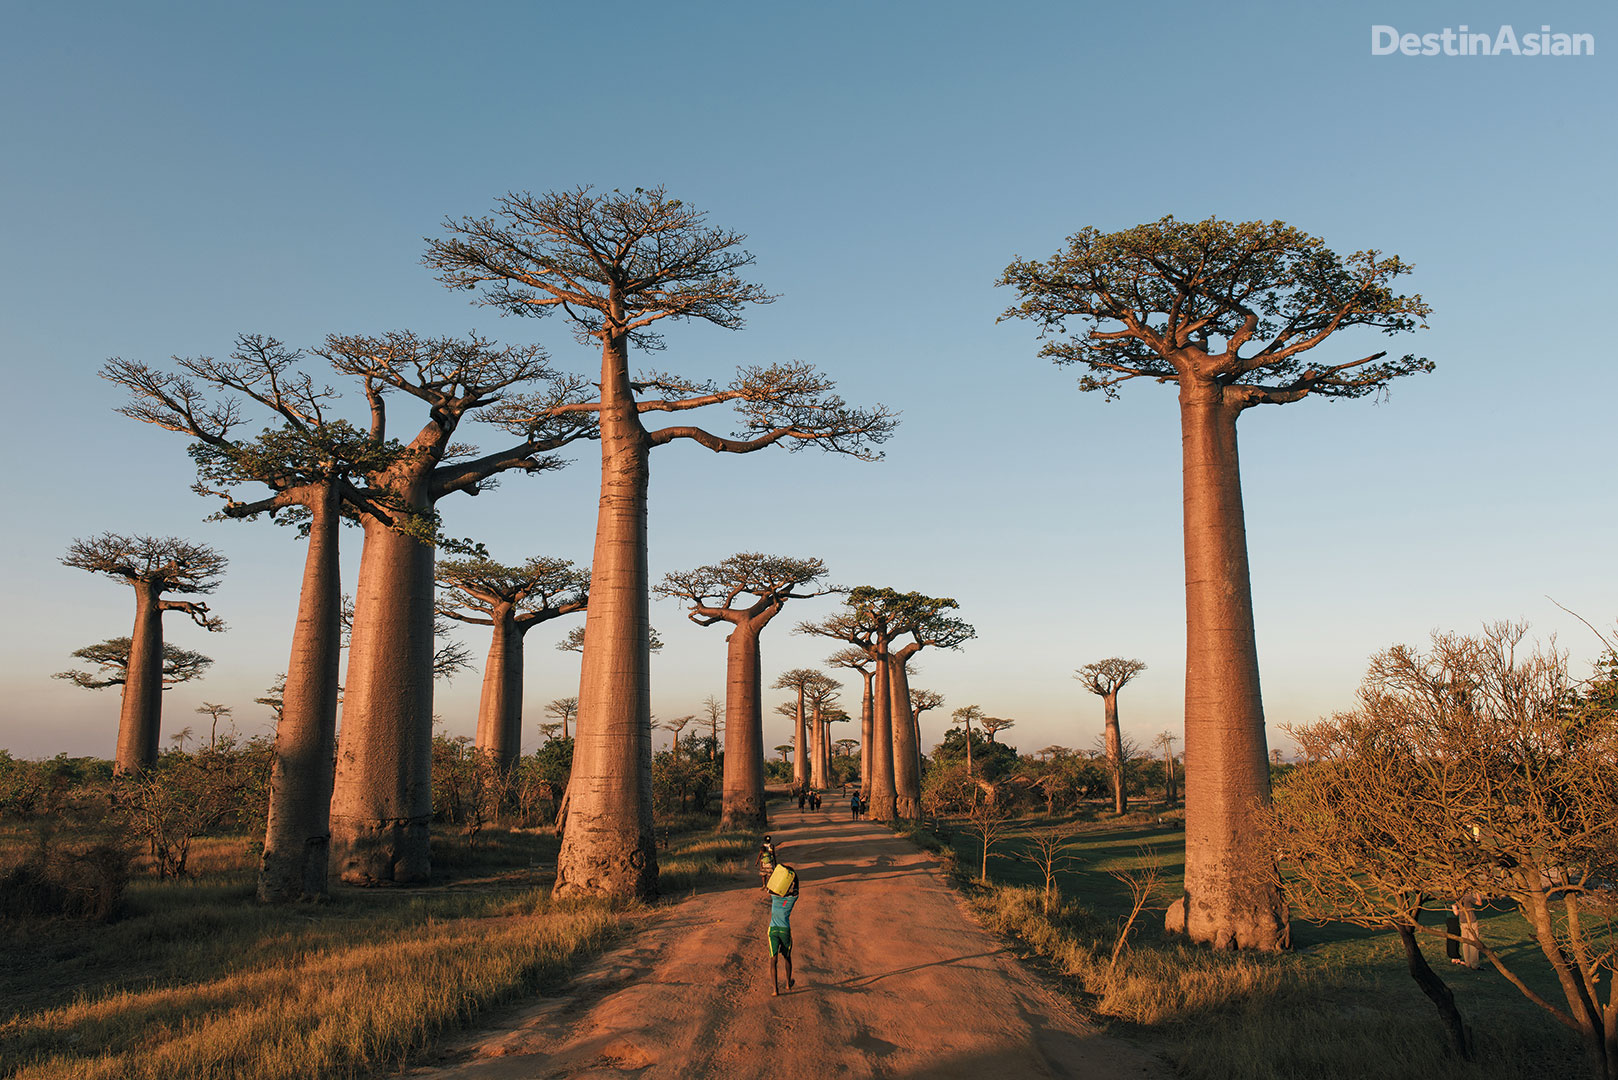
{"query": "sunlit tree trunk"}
pixel 906 770
pixel 743 806
pixel 608 848
pixel 499 733
pixel 382 803
pixel 1229 899
pixel 297 841
pixel 883 795
pixel 866 736
pixel 1115 753
pixel 140 714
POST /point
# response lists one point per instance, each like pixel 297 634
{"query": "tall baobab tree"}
pixel 617 264
pixel 512 600
pixel 820 695
pixel 320 468
pixel 744 592
pixel 1230 314
pixel 798 680
pixel 857 659
pixel 111 658
pixel 925 621
pixel 151 566
pixel 1105 678
pixel 1166 741
pixel 564 709
pixel 863 625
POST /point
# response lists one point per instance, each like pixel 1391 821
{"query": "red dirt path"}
pixel 894 980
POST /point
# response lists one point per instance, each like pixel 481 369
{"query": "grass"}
pixel 1341 1003
pixel 196 979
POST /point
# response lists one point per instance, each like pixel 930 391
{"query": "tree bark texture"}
pixel 743 805
pixel 499 732
pixel 906 771
pixel 866 721
pixel 383 799
pixel 297 841
pixel 140 713
pixel 1229 899
pixel 883 797
pixel 1115 754
pixel 608 848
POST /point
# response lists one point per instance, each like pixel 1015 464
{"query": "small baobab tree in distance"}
pixel 966 714
pixel 1165 741
pixel 564 709
pixel 798 680
pixel 785 750
pixel 617 264
pixel 1231 315
pixel 512 600
pixel 674 727
pixel 713 715
pixel 151 566
pixel 820 696
pixel 111 657
pixel 1105 678
pixel 992 724
pixel 214 713
pixel 744 592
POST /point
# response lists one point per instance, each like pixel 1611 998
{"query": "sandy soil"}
pixel 894 980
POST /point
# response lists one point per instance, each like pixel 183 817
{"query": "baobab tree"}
pixel 214 713
pixel 966 714
pixel 674 727
pixel 617 264
pixel 713 714
pixel 744 592
pixel 111 658
pixel 992 724
pixel 564 709
pixel 857 659
pixel 846 745
pixel 820 695
pixel 1230 314
pixel 512 600
pixel 151 566
pixel 320 468
pixel 926 622
pixel 1166 740
pixel 798 680
pixel 1105 678
pixel 923 701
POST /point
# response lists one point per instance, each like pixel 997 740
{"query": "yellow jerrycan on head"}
pixel 781 879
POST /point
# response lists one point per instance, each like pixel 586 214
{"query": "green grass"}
pixel 1340 1004
pixel 196 979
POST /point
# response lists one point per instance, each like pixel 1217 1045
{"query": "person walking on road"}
pixel 781 933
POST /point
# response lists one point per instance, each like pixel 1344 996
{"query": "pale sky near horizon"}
pixel 176 174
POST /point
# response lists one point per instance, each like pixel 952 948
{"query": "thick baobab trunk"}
pixel 743 806
pixel 608 848
pixel 1230 900
pixel 297 842
pixel 1115 754
pixel 801 752
pixel 140 714
pixel 883 795
pixel 383 799
pixel 500 706
pixel 866 718
pixel 906 760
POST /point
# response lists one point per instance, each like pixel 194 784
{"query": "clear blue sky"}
pixel 173 175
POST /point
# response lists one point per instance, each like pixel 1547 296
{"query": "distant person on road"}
pixel 781 933
pixel 766 861
pixel 854 806
pixel 803 797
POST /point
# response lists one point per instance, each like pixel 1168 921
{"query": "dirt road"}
pixel 893 980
